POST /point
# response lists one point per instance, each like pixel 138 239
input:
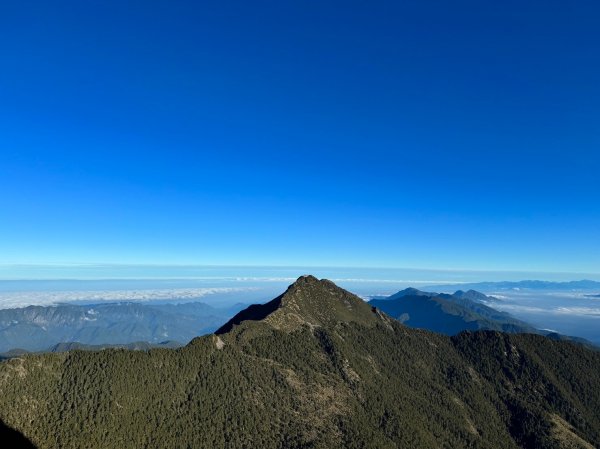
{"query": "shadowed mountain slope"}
pixel 461 311
pixel 448 314
pixel 316 368
pixel 11 439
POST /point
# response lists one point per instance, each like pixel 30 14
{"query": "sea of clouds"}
pixel 15 299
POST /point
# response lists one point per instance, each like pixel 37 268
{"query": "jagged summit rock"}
pixel 308 301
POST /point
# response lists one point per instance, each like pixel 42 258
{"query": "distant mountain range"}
pixel 448 314
pixel 316 367
pixel 453 313
pixel 520 285
pixel 474 295
pixel 38 328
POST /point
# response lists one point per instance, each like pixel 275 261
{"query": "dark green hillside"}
pixel 316 368
pixel 547 389
pixel 72 346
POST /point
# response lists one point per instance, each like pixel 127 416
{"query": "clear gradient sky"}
pixel 429 134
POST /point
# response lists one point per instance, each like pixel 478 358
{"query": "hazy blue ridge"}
pixel 38 328
pixel 521 285
pixel 452 314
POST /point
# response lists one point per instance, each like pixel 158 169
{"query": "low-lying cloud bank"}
pixel 575 311
pixel 11 300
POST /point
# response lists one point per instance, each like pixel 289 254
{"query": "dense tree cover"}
pixel 322 369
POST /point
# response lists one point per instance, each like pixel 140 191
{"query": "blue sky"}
pixel 447 135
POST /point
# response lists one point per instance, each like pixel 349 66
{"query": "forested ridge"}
pixel 315 368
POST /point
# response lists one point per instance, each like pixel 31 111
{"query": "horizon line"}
pixel 281 266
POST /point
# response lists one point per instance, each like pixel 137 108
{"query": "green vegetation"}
pixel 315 368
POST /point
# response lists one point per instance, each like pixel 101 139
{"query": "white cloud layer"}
pixel 587 311
pixel 9 300
pixel 574 311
